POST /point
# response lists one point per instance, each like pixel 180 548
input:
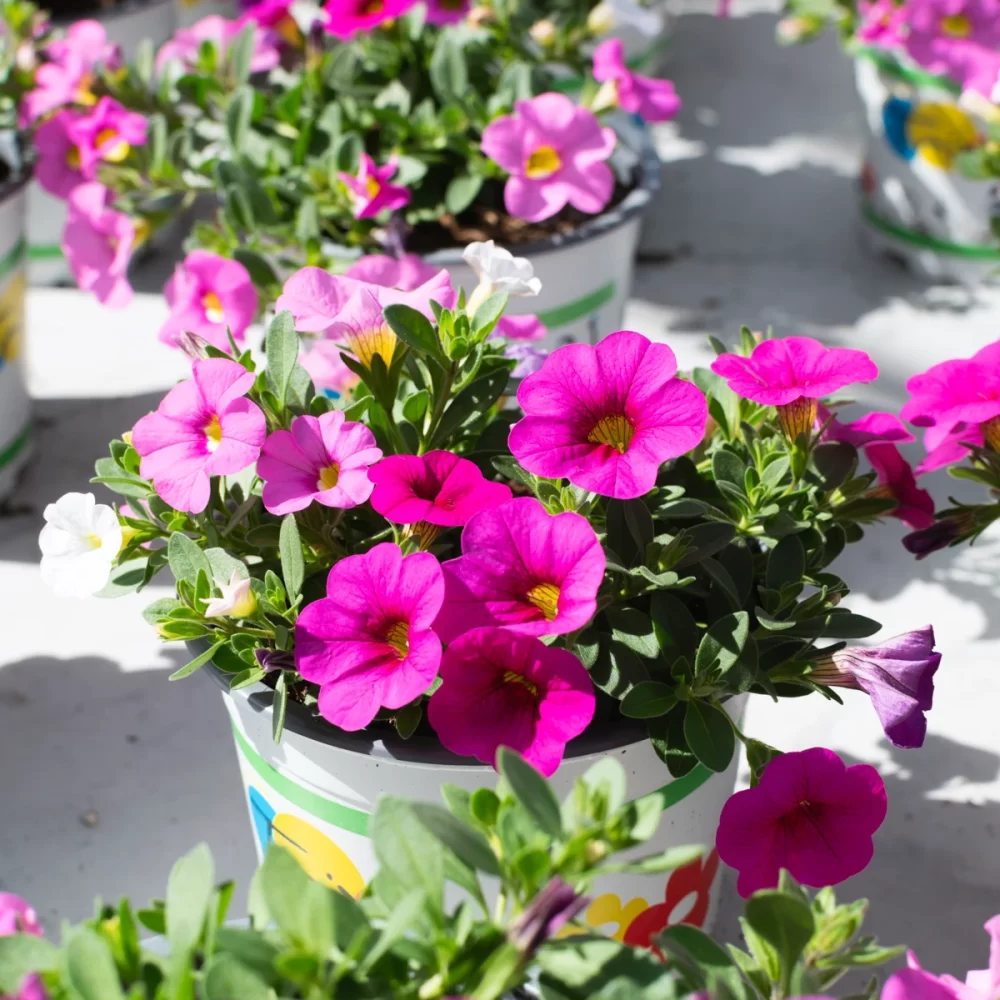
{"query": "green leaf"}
pixel 413 328
pixel 224 565
pixel 475 399
pixel 648 700
pixel 402 918
pixel 407 850
pixel 279 707
pixel 292 564
pixel 634 629
pixel 415 406
pixel 784 921
pixel 197 663
pixel 461 192
pixel 228 979
pixel 283 883
pixel 448 72
pixel 189 891
pixel 709 734
pixel 282 354
pixel 722 644
pixel 260 271
pixel 90 967
pixel 489 313
pixel 786 563
pixel 238 116
pixel 21 954
pixel 728 468
pixel 531 790
pixel 186 559
pixel 468 844
pixel 676 631
pixel 835 461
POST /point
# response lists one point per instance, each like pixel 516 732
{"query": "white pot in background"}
pixel 127 25
pixel 14 407
pixel 645 37
pixel 190 11
pixel 915 204
pixel 315 791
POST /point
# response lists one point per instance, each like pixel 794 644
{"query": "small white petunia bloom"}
pixel 498 270
pixel 79 543
pixel 237 600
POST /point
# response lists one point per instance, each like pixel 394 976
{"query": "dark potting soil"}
pixel 6 173
pixel 67 11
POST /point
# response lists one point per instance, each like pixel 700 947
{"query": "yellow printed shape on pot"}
pixel 608 909
pixel 322 859
pixel 940 132
pixel 12 319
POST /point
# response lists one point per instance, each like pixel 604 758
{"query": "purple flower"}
pixel 371 188
pixel 529 359
pixel 106 134
pixel 447 11
pixel 913 983
pixel 952 36
pixel 58 166
pixel 914 506
pixel 898 676
pixel 556 905
pixel 940 535
pixel 17 917
pixel 652 100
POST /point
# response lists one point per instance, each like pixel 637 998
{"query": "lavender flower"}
pixel 554 906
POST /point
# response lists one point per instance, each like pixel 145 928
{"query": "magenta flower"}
pixel 650 99
pixel 882 23
pixel 950 36
pixel 86 42
pixel 809 814
pixel 204 427
pixel 898 676
pixel 369 642
pixel 527 327
pixel 208 294
pixel 98 244
pixel 406 273
pixel 17 917
pixel 107 133
pixel 607 417
pixel 913 983
pixel 948 446
pixel 554 907
pixel 345 18
pixel 439 488
pixel 58 165
pixel 276 16
pixel 791 374
pixel 896 482
pixel 525 569
pixel 322 459
pixel 447 11
pixel 981 984
pixel 185 46
pixel 371 188
pixel 877 427
pixel 499 688
pixel 554 151
pixel 327 370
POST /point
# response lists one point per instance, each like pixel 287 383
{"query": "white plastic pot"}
pixel 315 791
pixel 916 206
pixel 127 25
pixel 14 407
pixel 646 40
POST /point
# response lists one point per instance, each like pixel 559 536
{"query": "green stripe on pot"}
pixel 356 821
pixel 913 75
pixel 572 311
pixel 924 242
pixel 45 252
pixel 12 258
pixel 12 450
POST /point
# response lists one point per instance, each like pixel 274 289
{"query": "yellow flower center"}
pixel 510 677
pixel 882 492
pixel 93 541
pixel 398 636
pixel 73 157
pixel 797 417
pixel 542 163
pixel 328 477
pixel 117 151
pixel 991 433
pixel 84 94
pixel 615 431
pixel 425 532
pixel 372 188
pixel 545 597
pixel 289 31
pixel 142 231
pixel 213 432
pixel 368 343
pixel 956 26
pixel 213 307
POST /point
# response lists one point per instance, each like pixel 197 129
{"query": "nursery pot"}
pixel 127 24
pixel 586 274
pixel 314 793
pixel 14 407
pixel 916 206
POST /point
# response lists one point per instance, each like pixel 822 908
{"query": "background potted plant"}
pixel 926 71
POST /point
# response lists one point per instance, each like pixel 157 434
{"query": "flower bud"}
pixel 480 14
pixel 601 19
pixel 544 32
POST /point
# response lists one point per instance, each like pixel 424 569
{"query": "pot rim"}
pixel 103 16
pixel 18 182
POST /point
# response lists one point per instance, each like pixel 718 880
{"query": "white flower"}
pixel 237 599
pixel 79 543
pixel 498 270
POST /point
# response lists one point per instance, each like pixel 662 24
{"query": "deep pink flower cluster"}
pixel 184 48
pixel 17 917
pixel 652 100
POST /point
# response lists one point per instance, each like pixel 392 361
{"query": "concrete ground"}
pixel 109 773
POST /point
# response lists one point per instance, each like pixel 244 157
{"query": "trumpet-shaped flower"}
pixel 207 295
pixel 529 359
pixel 106 133
pixel 370 188
pixel 58 167
pixel 237 600
pixel 554 151
pixel 952 36
pixel 898 676
pixel 882 23
pixel 405 273
pixel 369 642
pixel 185 47
pixel 499 688
pixel 79 543
pixel 652 100
pixel 17 917
pixel 447 11
pixel 810 814
pixel 98 244
pixel 915 507
pixel 498 270
pixel 204 427
pixel 525 569
pixel 527 327
pixel 607 417
pixel 324 458
pixel 791 374
pixel 877 427
pixel 345 18
pixel 439 488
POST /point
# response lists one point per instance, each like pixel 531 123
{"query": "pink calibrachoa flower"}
pixel 372 193
pixel 896 482
pixel 791 374
pixel 882 23
pixel 17 917
pixel 948 446
pixel 208 294
pixel 878 427
pixel 981 984
pixel 86 41
pixel 554 151
pixel 58 166
pixel 447 11
pixel 405 273
pixel 607 417
pixel 809 814
pixel 327 370
pixel 204 427
pixel 898 676
pixel 276 15
pixel 185 46
pixel 499 688
pixel 369 642
pixel 525 569
pixel 440 488
pixel 952 36
pixel 527 327
pixel 98 244
pixel 106 133
pixel 345 18
pixel 652 100
pixel 322 458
